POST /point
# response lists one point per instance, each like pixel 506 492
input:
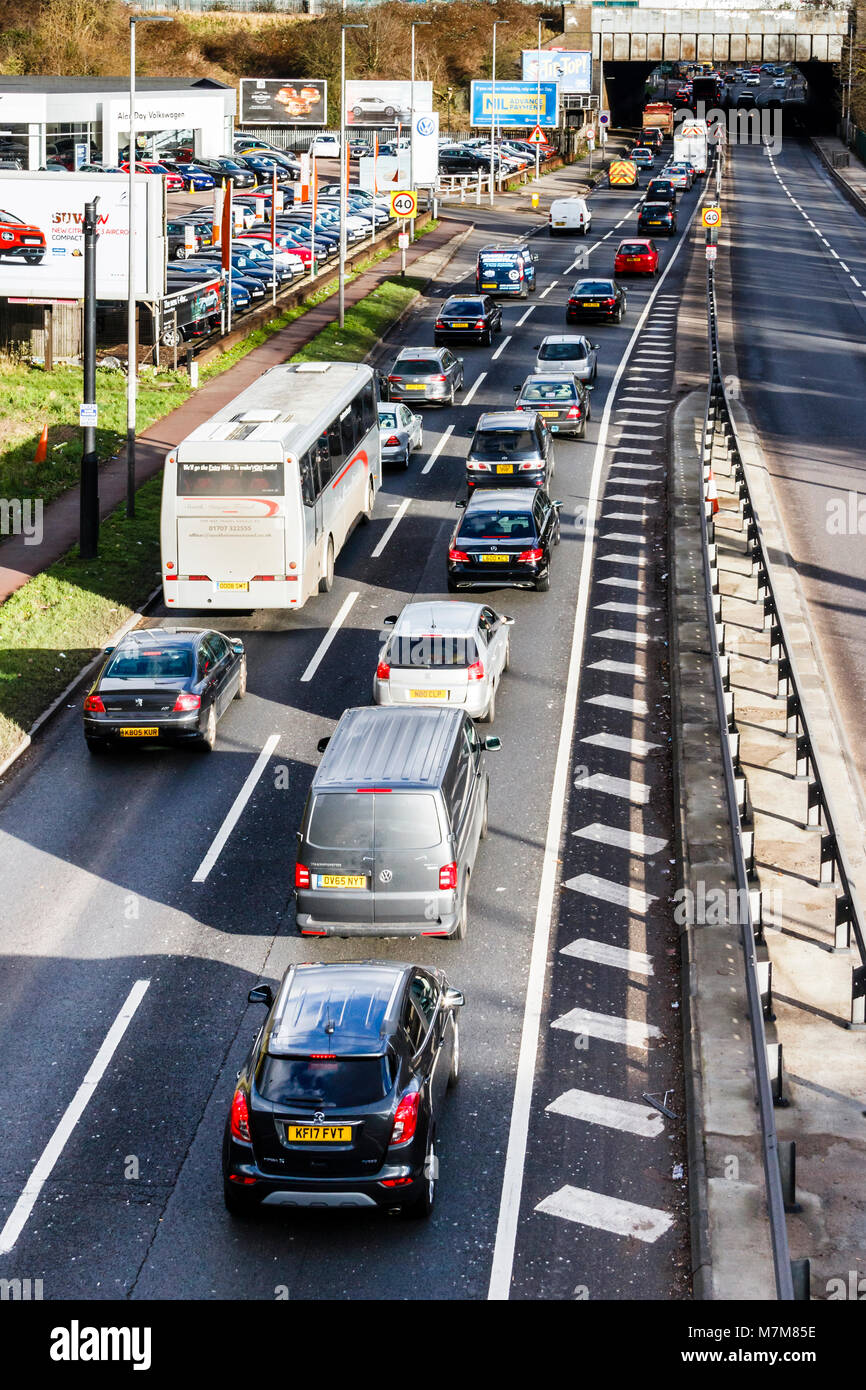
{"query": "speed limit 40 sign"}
pixel 404 204
pixel 712 217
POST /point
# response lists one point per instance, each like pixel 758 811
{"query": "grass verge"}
pixel 58 621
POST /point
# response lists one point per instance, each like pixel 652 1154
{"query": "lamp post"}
pixel 496 24
pixel 344 167
pixel 131 336
pixel 416 24
pixel 538 105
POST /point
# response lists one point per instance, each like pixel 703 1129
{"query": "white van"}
pixel 569 215
pixel 325 147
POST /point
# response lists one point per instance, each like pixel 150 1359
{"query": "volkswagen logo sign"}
pixel 425 126
pixel 385 876
pixel 319 1117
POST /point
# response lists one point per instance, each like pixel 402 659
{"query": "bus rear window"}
pixel 230 480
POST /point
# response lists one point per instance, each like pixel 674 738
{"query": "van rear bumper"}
pixel 308 925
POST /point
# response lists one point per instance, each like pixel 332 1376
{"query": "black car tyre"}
pixel 423 1205
pixel 34 257
pixel 542 585
pixel 180 253
pixel 96 746
pixel 463 916
pixel 507 662
pixel 485 822
pixel 487 718
pixel 588 415
pixel 208 738
pixel 617 318
pixel 238 1203
pixel 487 338
pixel 454 1069
pixel 326 583
pixel 242 682
pixel 452 587
pixel 406 457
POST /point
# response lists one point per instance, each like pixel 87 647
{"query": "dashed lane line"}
pixel 615 743
pixel 630 840
pixel 438 449
pixel 602 953
pixel 631 1032
pixel 596 1109
pixel 220 839
pixel 607 1213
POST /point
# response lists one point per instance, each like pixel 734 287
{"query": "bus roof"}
pixel 283 411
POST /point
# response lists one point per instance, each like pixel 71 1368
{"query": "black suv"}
pixel 338 1101
pixel 473 318
pixel 510 448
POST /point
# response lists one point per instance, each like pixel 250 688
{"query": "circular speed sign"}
pixel 712 217
pixel 404 204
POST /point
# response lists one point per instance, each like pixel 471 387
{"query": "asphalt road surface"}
pixel 125 981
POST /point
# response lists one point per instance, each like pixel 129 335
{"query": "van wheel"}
pixel 326 583
pixel 463 917
pixel 490 713
pixel 454 1070
pixel 242 683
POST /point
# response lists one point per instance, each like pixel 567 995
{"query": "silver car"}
pixel 445 653
pixel 568 352
pixel 680 175
pixel 425 374
pixel 400 433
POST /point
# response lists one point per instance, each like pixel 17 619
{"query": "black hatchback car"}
pixel 657 218
pixel 596 299
pixel 164 685
pixel 504 539
pixel 338 1101
pixel 472 318
pixel 661 191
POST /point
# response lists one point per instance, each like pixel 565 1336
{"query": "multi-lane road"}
pixel 126 970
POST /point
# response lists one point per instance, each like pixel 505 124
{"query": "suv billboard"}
pixel 377 103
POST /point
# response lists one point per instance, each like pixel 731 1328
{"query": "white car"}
pixel 780 82
pixel 325 146
pixel 447 653
pixel 752 79
pixel 378 106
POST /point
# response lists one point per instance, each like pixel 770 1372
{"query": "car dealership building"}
pixel 43 117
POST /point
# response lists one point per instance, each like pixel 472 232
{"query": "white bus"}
pixel 258 501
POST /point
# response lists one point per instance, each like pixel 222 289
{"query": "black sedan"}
pixel 164 685
pixel 338 1101
pixel 656 218
pixel 474 319
pixel 230 170
pixel 504 539
pixel 596 299
pixel 560 399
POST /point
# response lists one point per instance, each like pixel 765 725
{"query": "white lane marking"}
pixel 608 1027
pixel 545 293
pixel 630 497
pixel 438 449
pixel 621 536
pixel 638 394
pixel 473 388
pixel 594 1109
pixel 637 560
pixel 649 371
pixel 625 516
pixel 518 1133
pixel 335 626
pixel 614 583
pixel 834 254
pixel 391 528
pixel 615 634
pixel 603 1213
pixel 502 346
pixel 640 410
pixel 856 281
pixel 634 747
pixel 641 609
pixel 632 429
pixel 619 668
pixel 234 814
pixel 844 266
pixel 525 316
pixel 20 1213
pixel 602 953
pixel 632 900
pixel 623 787
pixel 617 480
pixel 620 702
pixel 623 839
pixel 633 449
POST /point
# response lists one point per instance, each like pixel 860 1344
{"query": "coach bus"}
pixel 258 501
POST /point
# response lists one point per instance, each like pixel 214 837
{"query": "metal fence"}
pixel 243 6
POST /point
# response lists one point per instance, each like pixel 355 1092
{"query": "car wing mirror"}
pixel 389 621
pixel 506 621
pixel 453 999
pixel 557 505
pixel 493 743
pixel 262 994
pixel 106 651
pixel 238 647
pixel 461 502
pixel 322 744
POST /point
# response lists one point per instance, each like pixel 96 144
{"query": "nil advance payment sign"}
pixel 517 104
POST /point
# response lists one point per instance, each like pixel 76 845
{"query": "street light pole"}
pixel 415 25
pixel 496 24
pixel 538 105
pixel 344 167
pixel 131 335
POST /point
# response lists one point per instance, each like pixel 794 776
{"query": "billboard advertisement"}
pixel 42 234
pixel 517 104
pixel 570 68
pixel 283 101
pixel 384 173
pixel 377 103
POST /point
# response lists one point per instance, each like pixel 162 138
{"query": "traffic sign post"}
pixel 537 137
pixel 711 254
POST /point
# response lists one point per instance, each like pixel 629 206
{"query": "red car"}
pixel 636 257
pixel 20 239
pixel 173 182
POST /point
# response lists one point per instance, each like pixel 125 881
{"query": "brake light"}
pixel 395 378
pixel 528 467
pixel 383 671
pixel 608 301
pixel 201 577
pixel 391 442
pixel 93 704
pixel 240 1120
pixel 448 876
pixel 302 876
pixel 439 324
pixel 574 412
pixel 458 556
pixel 406 1119
pixel 440 378
pixel 479 325
pixel 323 1056
pixel 530 557
pixel 394 1182
pixel 476 671
pixel 186 701
pixel 573 303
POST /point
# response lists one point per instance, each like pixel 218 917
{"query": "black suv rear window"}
pixel 506 443
pixel 343 1082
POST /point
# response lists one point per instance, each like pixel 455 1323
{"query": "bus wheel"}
pixel 326 583
pixel 371 496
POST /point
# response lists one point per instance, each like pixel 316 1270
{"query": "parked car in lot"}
pixel 468 319
pixel 426 374
pixel 456 159
pixel 559 399
pixel 389 834
pixel 445 653
pixel 173 182
pixel 504 539
pixel 401 433
pixel 635 257
pixel 657 218
pixel 510 448
pixel 164 685
pixel 195 178
pixel 230 170
pixel 177 237
pixel 325 146
pixel 567 352
pixel 597 298
pixel 338 1101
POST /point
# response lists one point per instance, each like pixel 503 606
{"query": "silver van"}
pixel 391 827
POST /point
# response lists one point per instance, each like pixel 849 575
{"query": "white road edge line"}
pixel 502 346
pixel 337 623
pixel 237 807
pixel 20 1213
pixel 473 388
pixel 438 449
pixel 518 1134
pixel 394 523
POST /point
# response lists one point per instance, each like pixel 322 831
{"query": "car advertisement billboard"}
pixel 283 101
pixel 517 104
pixel 42 234
pixel 570 68
pixel 377 103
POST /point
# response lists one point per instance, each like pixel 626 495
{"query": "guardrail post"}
pixel 801 1278
pixel 774 1062
pixel 765 985
pixel 787 1152
pixel 828 858
pixel 858 997
pixel 844 917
